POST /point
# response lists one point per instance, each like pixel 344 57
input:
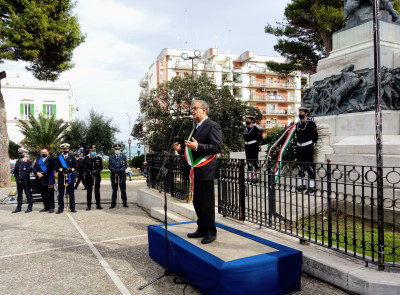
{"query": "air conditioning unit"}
pixel 262 89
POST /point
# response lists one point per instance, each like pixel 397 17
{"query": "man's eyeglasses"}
pixel 195 108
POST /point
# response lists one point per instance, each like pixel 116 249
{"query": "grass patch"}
pixel 354 228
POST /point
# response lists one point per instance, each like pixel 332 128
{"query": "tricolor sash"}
pixel 200 161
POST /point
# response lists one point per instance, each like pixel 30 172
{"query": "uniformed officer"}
pixel 23 167
pixel 92 166
pixel 307 136
pixel 44 171
pixel 252 138
pixel 80 172
pixel 117 165
pixel 65 165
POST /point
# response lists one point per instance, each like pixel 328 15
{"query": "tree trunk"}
pixel 5 179
pixel 327 39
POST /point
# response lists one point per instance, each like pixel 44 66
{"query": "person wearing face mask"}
pixel 22 169
pixel 307 136
pixel 65 165
pixel 44 171
pixel 117 165
pixel 252 138
pixel 92 165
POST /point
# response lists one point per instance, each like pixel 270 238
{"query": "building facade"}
pixel 32 98
pixel 245 74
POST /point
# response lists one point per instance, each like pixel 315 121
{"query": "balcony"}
pixel 262 84
pixel 272 98
pixel 270 126
pixel 209 67
pixel 143 83
pixel 184 65
pixel 278 112
pixel 259 70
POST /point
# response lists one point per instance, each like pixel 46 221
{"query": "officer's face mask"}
pixel 248 123
pixel 301 116
pixel 21 156
pixel 65 152
pixel 93 154
pixel 44 156
pixel 118 152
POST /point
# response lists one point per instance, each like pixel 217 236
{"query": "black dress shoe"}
pixel 28 210
pixel 88 208
pixel 16 210
pixel 196 234
pixel 99 207
pixel 51 210
pixel 44 210
pixel 59 211
pixel 73 210
pixel 125 205
pixel 208 239
pixel 301 188
pixel 112 206
pixel 310 190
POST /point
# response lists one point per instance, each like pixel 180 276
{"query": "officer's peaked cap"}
pixel 92 148
pixel 65 145
pixel 304 109
pixel 117 146
pixel 22 150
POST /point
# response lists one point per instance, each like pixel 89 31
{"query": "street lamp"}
pixel 144 129
pixel 196 54
pixel 129 142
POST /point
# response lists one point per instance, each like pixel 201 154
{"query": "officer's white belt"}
pixel 251 142
pixel 304 143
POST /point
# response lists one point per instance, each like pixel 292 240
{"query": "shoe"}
pixel 255 180
pixel 196 234
pixel 73 210
pixel 84 189
pixel 88 208
pixel 59 211
pixel 16 210
pixel 310 190
pixel 125 205
pixel 51 210
pixel 301 188
pixel 112 206
pixel 99 207
pixel 208 239
pixel 28 210
pixel 44 210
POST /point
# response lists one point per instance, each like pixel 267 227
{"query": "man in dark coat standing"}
pixel 307 136
pixel 117 165
pixel 92 166
pixel 65 165
pixel 81 172
pixel 23 167
pixel 252 138
pixel 201 148
pixel 44 171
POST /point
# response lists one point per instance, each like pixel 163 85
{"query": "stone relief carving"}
pixel 353 91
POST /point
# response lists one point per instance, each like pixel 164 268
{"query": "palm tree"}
pixel 42 133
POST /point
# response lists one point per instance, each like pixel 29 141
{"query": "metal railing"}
pixel 342 214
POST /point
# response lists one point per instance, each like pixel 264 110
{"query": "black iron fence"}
pixel 343 214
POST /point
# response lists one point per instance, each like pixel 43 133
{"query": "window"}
pixel 49 110
pixel 275 81
pixel 289 95
pixel 268 124
pixel 274 122
pixel 275 94
pixel 253 94
pixel 26 109
pixel 268 81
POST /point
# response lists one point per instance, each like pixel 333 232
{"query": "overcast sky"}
pixel 124 38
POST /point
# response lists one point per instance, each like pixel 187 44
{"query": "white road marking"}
pixel 120 285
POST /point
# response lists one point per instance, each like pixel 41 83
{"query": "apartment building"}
pixel 246 75
pixel 23 98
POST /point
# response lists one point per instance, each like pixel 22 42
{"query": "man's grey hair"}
pixel 203 105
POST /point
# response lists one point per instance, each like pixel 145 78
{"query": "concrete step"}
pixel 392 160
pixel 172 217
pixel 366 144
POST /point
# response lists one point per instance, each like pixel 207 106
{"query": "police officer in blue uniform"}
pixel 44 171
pixel 117 165
pixel 22 169
pixel 307 136
pixel 92 165
pixel 65 165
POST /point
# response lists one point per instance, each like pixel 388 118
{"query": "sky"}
pixel 124 37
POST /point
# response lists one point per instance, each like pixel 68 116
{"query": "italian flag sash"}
pixel 201 161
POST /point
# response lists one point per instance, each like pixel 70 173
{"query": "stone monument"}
pixel 342 94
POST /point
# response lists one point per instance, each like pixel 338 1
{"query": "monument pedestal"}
pixel 355 46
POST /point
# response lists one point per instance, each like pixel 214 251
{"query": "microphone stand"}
pixel 164 172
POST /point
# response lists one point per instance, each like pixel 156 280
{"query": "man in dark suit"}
pixel 44 171
pixel 203 145
pixel 23 167
pixel 117 165
pixel 65 165
pixel 92 166
pixel 81 172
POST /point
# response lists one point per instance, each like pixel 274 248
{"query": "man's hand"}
pixel 39 174
pixel 192 144
pixel 177 147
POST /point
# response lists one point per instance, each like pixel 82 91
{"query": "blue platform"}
pixel 236 263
